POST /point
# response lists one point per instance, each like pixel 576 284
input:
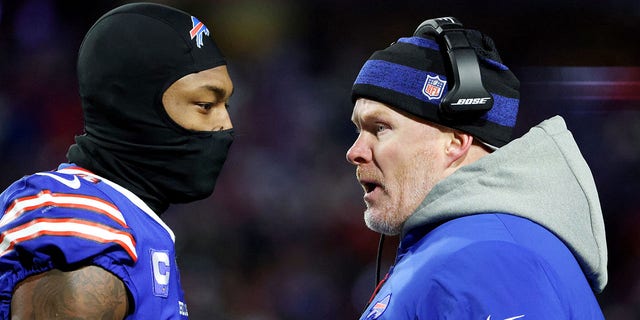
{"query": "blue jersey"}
pixel 484 267
pixel 72 217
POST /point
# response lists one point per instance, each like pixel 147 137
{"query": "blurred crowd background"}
pixel 283 235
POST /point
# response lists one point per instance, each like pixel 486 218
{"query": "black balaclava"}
pixel 127 60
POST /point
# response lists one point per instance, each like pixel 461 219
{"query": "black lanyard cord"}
pixel 379 259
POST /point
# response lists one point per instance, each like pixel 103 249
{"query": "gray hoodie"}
pixel 541 176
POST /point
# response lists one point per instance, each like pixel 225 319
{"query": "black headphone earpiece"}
pixel 468 96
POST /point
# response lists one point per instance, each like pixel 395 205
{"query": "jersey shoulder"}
pixel 62 217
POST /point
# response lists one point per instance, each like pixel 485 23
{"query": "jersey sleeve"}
pixel 55 221
pixel 491 280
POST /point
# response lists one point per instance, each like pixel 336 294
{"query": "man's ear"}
pixel 457 147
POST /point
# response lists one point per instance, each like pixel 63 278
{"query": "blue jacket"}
pixel 485 266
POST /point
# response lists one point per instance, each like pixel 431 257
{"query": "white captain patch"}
pixel 161 266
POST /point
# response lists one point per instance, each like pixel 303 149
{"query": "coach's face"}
pixel 398 159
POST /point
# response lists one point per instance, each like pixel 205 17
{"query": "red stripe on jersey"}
pixel 75 168
pixel 63 200
pixel 67 227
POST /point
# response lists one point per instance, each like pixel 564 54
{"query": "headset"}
pixel 468 96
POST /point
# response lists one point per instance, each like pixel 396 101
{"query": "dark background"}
pixel 283 236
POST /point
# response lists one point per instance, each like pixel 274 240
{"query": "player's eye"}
pixel 205 105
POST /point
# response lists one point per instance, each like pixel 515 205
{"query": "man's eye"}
pixel 205 105
pixel 381 127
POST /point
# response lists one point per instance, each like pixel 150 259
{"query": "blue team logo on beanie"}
pixel 433 87
pixel 197 30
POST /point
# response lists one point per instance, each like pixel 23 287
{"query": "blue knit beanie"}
pixel 411 75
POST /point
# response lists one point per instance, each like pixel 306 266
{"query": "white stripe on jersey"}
pixel 66 227
pixel 132 197
pixel 47 198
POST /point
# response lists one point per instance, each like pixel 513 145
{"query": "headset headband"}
pixel 468 95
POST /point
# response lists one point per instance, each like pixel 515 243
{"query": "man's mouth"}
pixel 369 180
pixel 369 186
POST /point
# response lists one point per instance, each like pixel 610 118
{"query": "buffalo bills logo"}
pixel 378 308
pixel 197 31
pixel 433 87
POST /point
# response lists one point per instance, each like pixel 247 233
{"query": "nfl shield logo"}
pixel 433 87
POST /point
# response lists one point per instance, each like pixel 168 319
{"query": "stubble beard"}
pixel 382 220
pixel 389 214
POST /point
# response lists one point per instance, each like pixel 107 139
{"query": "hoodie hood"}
pixel 541 176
